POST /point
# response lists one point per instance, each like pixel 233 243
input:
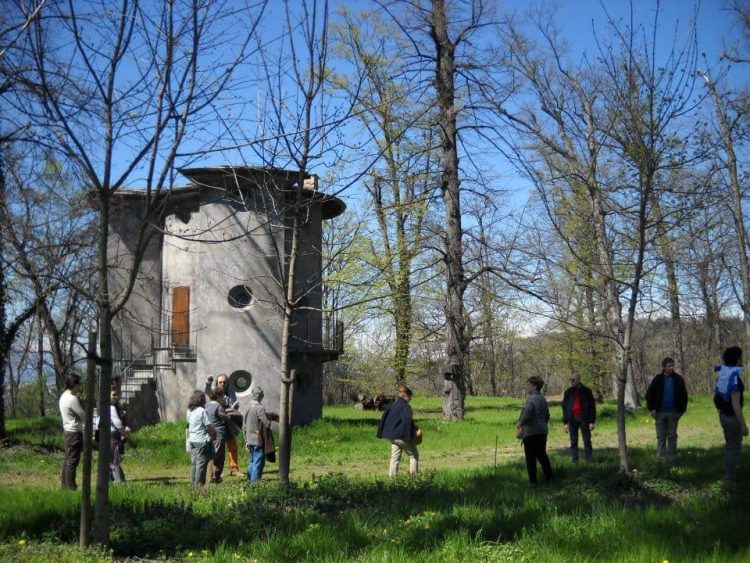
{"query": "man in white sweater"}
pixel 72 420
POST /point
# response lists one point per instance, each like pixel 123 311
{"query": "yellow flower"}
pixel 21 542
pixel 190 554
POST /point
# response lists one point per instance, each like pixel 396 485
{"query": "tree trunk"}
pixel 673 292
pixel 4 345
pixel 88 431
pixel 101 507
pixel 40 366
pixel 488 334
pixel 454 305
pixel 402 302
pixel 736 192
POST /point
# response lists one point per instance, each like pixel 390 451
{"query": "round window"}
pixel 240 297
pixel 240 380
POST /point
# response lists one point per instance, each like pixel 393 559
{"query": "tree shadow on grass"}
pixel 681 513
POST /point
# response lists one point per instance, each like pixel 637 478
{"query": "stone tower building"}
pixel 207 299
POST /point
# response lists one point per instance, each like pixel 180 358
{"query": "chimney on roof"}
pixel 311 183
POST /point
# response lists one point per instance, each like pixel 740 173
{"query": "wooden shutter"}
pixel 181 317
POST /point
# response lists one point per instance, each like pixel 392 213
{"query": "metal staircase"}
pixel 137 371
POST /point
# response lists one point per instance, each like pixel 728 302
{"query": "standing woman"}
pixel 198 437
pixel 118 432
pixel 532 428
pixel 728 398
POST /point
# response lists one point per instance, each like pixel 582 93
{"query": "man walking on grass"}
pixel 579 412
pixel 667 400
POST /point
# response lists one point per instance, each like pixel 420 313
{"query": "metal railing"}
pixel 313 333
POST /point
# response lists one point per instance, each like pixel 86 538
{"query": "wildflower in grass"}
pixel 22 542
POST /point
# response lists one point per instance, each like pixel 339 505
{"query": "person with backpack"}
pixel 728 399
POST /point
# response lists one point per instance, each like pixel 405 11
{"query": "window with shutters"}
pixel 181 317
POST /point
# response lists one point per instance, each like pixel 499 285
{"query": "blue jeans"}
pixel 257 463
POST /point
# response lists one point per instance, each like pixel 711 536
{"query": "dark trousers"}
pixel 217 467
pixel 733 445
pixel 73 443
pixel 573 426
pixel 535 448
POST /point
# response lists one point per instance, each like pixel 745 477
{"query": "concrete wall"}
pixel 173 390
pixel 133 324
pixel 246 254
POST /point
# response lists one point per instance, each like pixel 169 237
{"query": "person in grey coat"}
pixel 532 428
pixel 254 415
pixel 219 419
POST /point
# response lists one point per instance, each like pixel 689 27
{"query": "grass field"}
pixel 471 503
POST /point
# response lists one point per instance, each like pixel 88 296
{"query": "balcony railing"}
pixel 313 334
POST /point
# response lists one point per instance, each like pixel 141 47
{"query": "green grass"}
pixel 342 508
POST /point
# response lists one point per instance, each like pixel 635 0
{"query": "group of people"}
pixel 211 432
pixel 666 399
pixel 73 417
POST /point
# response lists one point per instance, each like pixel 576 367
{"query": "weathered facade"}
pixel 208 298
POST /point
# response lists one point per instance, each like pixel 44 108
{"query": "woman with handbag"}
pixel 532 429
pixel 397 425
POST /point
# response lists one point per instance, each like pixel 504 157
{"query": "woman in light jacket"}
pixel 532 428
pixel 198 437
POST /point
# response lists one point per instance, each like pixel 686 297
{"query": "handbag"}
pixel 417 435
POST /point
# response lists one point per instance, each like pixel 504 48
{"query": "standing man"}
pixel 230 404
pixel 579 412
pixel 72 414
pixel 667 400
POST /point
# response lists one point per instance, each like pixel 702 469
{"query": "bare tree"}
pixel 731 114
pixel 607 130
pixel 114 91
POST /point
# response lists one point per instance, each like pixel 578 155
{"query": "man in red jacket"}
pixel 579 412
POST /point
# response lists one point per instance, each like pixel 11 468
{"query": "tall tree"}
pixel 731 113
pixel 400 184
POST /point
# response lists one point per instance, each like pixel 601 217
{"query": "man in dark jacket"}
pixel 667 400
pixel 397 425
pixel 579 412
